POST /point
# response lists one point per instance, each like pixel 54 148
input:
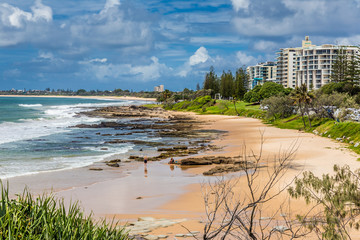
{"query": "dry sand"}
pixel 164 193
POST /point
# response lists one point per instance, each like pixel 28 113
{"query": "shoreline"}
pixel 103 195
pixel 87 97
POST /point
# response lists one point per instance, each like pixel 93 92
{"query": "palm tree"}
pixel 303 100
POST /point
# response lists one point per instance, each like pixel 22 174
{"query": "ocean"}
pixel 36 135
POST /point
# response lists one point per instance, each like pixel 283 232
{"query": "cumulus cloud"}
pixel 240 4
pixel 200 56
pixel 290 17
pixel 14 17
pixel 111 27
pixel 244 59
pixel 197 60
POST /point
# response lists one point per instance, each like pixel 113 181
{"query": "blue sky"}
pixel 137 44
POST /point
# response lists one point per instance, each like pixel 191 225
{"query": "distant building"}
pixel 159 88
pixel 308 64
pixel 261 73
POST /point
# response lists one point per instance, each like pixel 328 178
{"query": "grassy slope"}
pixel 324 127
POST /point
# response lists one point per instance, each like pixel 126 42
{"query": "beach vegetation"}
pixel 278 107
pixel 46 217
pixel 268 89
pixel 303 99
pixel 338 197
pixel 239 214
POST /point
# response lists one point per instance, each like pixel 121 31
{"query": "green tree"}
pixel 346 68
pixel 278 106
pixel 241 83
pixel 198 87
pixel 227 84
pixel 303 99
pixel 339 197
pixel 269 89
pixel 211 82
pixel 80 92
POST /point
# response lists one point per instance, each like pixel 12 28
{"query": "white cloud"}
pixel 14 17
pixel 42 12
pixel 200 56
pixel 111 27
pixel 245 59
pixel 265 46
pixel 240 4
pixel 104 71
pixel 98 60
pixel 46 55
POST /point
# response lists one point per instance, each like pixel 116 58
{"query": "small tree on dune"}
pixel 302 98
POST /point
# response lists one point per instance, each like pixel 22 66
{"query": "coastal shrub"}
pixel 197 104
pixel 341 87
pixel 338 195
pixel 278 106
pixel 269 89
pixel 46 217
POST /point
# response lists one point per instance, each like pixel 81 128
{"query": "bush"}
pixel 47 218
pixel 278 106
pixel 341 87
pixel 269 89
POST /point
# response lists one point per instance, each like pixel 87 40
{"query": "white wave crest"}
pixel 30 105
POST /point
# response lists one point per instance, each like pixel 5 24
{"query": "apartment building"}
pixel 309 64
pixel 261 72
pixel 314 64
pixel 159 88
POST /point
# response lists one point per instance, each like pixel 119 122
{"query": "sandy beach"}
pixel 86 97
pixel 161 191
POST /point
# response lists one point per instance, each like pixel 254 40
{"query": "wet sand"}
pixel 160 192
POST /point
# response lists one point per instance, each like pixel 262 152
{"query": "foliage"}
pixel 341 87
pixel 47 218
pixel 324 105
pixel 269 89
pixel 196 104
pixel 240 215
pixel 227 85
pixel 211 82
pixel 303 99
pixel 278 106
pixel 241 83
pixel 345 68
pixel 339 197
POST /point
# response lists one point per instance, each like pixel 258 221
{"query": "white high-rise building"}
pixel 309 64
pixel 159 88
pixel 260 73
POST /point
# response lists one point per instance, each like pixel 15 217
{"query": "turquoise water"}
pixel 36 135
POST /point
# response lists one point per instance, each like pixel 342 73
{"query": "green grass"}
pixel 151 106
pixel 46 217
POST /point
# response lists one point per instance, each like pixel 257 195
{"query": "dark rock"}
pixel 114 161
pixel 104 149
pixel 113 164
pixel 95 169
pixel 195 161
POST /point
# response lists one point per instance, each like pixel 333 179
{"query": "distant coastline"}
pixel 86 97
